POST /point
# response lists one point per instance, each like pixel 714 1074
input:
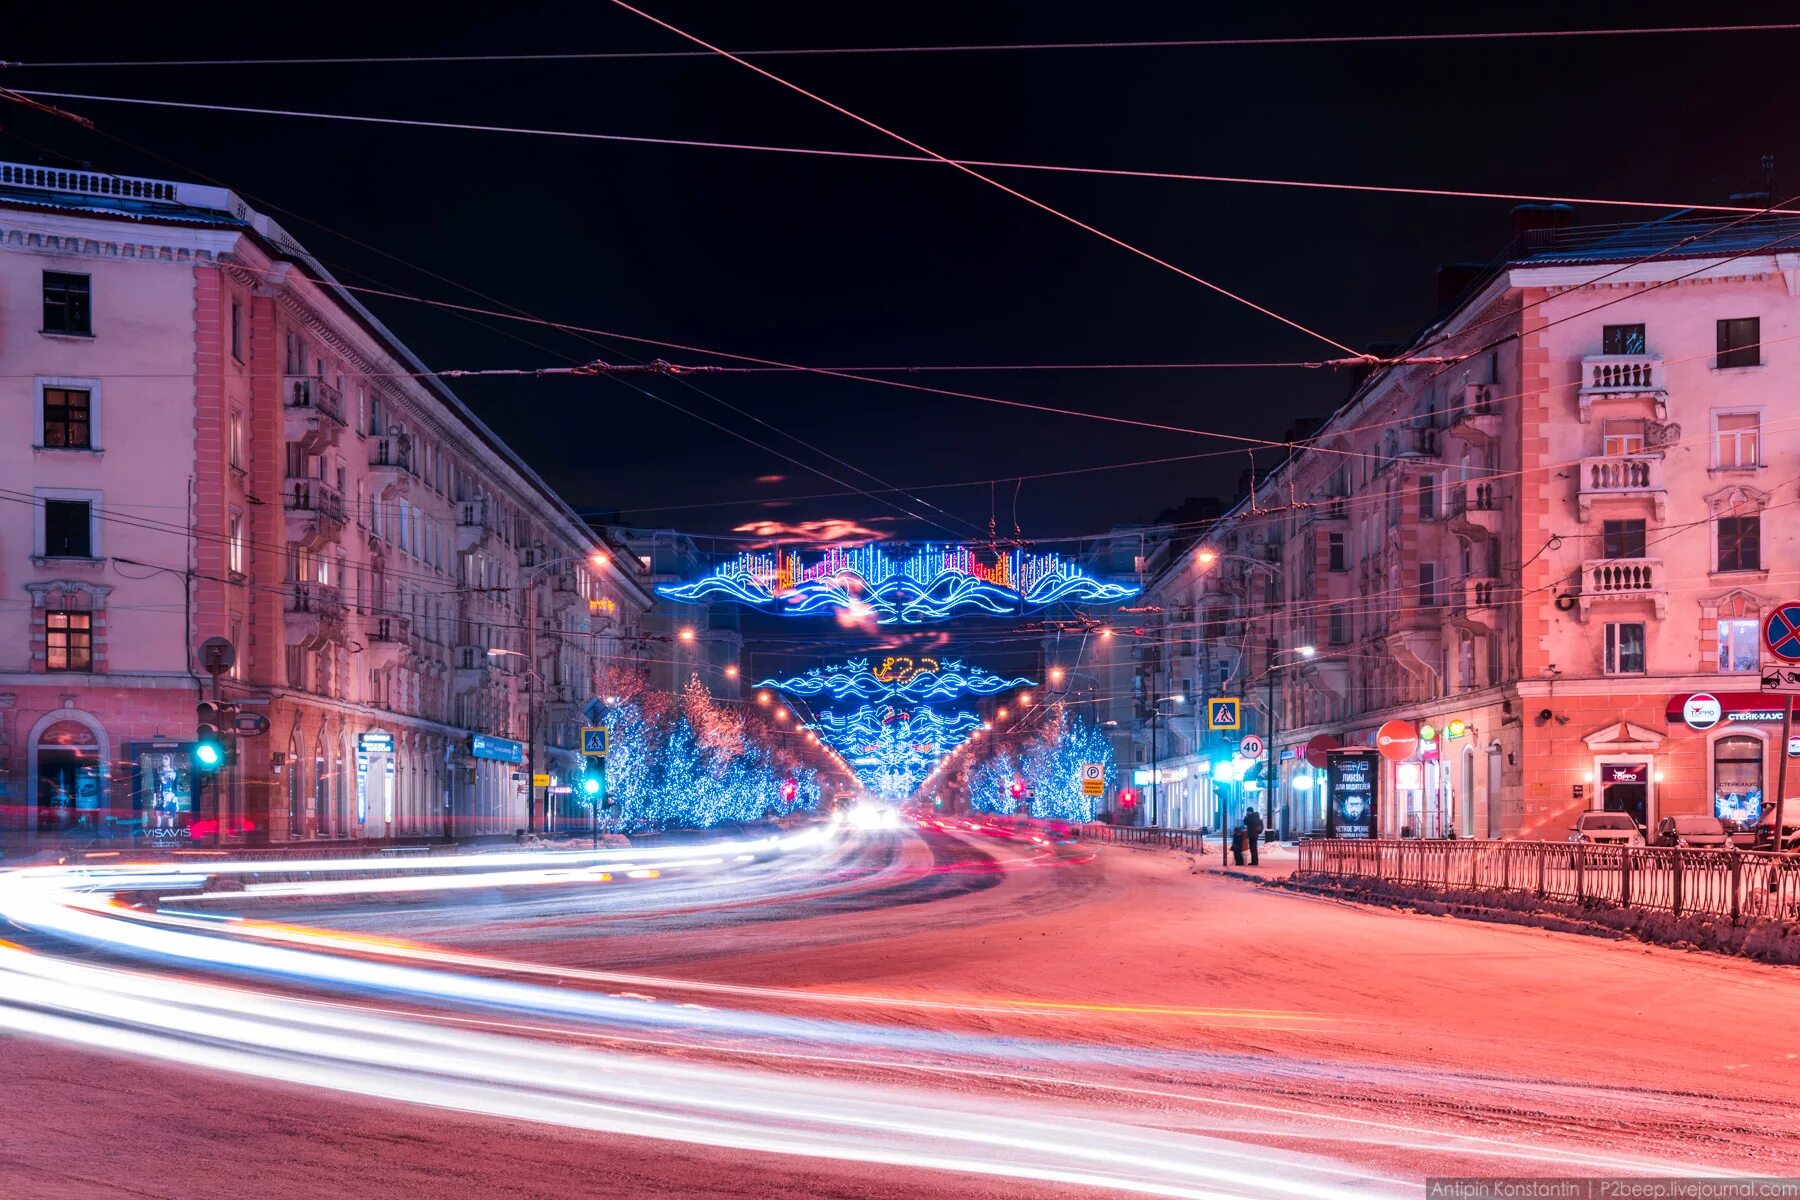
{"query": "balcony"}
pixel 313 413
pixel 386 640
pixel 1476 611
pixel 474 524
pixel 314 512
pixel 390 464
pixel 1622 477
pixel 313 615
pixel 1477 418
pixel 1622 377
pixel 1474 509
pixel 474 666
pixel 1623 580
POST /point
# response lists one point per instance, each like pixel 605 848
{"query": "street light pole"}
pixel 1269 747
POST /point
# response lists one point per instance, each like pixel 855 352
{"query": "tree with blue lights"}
pixel 1046 763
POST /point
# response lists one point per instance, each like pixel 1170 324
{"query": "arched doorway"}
pixel 68 774
pixel 296 817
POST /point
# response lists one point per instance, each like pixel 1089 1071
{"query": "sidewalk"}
pixel 1275 860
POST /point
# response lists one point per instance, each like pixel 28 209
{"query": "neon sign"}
pixel 936 582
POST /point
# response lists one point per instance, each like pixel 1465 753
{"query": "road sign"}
pixel 1093 779
pixel 1318 745
pixel 1224 712
pixel 1397 740
pixel 1251 746
pixel 375 741
pixel 593 741
pixel 1781 679
pixel 540 780
pixel 1702 710
pixel 593 710
pixel 1781 631
pixel 1794 746
pixel 249 724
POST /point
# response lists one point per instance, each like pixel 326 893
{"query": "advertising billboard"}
pixel 1352 792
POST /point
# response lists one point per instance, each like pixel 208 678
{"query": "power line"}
pixel 924 159
pixel 963 48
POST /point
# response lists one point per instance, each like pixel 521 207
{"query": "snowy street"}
pixel 901 1014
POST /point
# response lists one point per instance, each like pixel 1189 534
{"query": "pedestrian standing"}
pixel 1253 828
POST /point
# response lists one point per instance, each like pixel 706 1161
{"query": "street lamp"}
pixel 1156 754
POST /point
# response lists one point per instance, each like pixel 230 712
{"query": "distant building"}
pixel 1543 549
pixel 210 437
pixel 703 641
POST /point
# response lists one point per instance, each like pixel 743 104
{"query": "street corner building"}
pixel 208 437
pixel 1524 568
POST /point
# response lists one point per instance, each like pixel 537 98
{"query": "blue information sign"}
pixel 1781 631
pixel 496 748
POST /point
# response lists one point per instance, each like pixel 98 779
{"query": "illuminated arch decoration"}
pixel 935 583
pixel 892 747
pixel 900 679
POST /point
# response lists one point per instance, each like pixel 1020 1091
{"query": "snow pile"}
pixel 1752 937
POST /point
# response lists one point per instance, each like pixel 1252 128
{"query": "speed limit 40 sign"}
pixel 1251 746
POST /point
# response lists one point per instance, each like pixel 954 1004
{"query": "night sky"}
pixel 831 262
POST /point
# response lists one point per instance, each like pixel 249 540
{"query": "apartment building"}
pixel 212 438
pixel 1528 560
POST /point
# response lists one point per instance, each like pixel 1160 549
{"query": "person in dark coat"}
pixel 1253 826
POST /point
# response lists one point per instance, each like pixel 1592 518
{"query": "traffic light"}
pixel 593 779
pixel 790 789
pixel 212 749
pixel 1017 788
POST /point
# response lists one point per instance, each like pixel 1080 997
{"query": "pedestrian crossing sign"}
pixel 593 741
pixel 1225 712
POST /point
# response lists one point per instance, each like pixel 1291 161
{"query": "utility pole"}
pixel 1269 782
pixel 1155 755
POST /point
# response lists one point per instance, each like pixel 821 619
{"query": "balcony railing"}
pixel 1622 373
pixel 1621 476
pixel 392 452
pixel 1621 576
pixel 321 599
pixel 318 396
pixel 316 496
pixel 1473 496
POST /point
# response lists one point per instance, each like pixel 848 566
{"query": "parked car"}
pixel 1606 829
pixel 1790 826
pixel 1699 832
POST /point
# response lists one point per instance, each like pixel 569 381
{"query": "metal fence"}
pixel 1722 883
pixel 1145 835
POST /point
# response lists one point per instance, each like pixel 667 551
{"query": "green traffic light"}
pixel 591 785
pixel 209 754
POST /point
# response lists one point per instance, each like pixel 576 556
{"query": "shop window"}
pixel 1625 648
pixel 68 304
pixel 1740 645
pixel 68 775
pixel 1622 339
pixel 1737 779
pixel 1740 343
pixel 1740 543
pixel 1622 539
pixel 68 640
pixel 163 792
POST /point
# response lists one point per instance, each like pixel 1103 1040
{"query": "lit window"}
pixel 1622 339
pixel 68 640
pixel 1737 779
pixel 1625 648
pixel 235 544
pixel 1622 436
pixel 1740 646
pixel 1737 439
pixel 234 436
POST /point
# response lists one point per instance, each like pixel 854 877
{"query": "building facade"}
pixel 213 439
pixel 1530 556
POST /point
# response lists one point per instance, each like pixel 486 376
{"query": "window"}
pixel 68 529
pixel 1740 644
pixel 1625 648
pixel 1737 439
pixel 1737 779
pixel 1622 539
pixel 67 419
pixel 1334 551
pixel 1340 626
pixel 234 438
pixel 1427 497
pixel 1740 543
pixel 1740 343
pixel 234 545
pixel 67 304
pixel 68 640
pixel 1622 339
pixel 1622 436
pixel 237 330
pixel 1428 593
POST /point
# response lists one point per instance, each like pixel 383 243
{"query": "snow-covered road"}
pixel 901 1015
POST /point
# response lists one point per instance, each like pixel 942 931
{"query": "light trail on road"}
pixel 441 1054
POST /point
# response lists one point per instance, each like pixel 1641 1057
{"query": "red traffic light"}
pixel 1018 788
pixel 789 790
pixel 1127 797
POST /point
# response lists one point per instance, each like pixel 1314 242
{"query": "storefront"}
pixel 1742 732
pixel 163 787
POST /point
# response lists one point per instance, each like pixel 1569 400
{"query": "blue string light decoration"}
pixel 891 747
pixel 1049 770
pixel 900 679
pixel 661 776
pixel 935 583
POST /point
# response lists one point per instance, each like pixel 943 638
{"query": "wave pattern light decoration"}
pixel 934 583
pixel 906 680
